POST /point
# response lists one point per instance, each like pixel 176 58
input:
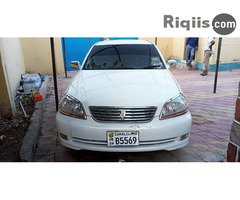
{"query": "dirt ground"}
pixel 12 131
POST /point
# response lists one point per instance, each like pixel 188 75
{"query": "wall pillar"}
pixel 12 66
pixel 5 104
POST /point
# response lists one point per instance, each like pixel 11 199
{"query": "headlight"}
pixel 72 107
pixel 174 107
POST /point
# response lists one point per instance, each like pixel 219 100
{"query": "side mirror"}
pixel 75 65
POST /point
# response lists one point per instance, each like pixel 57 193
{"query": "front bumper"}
pixel 156 135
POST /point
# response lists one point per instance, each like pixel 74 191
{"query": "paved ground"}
pixel 212 119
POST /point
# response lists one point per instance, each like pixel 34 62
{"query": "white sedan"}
pixel 123 99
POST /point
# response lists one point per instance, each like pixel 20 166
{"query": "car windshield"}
pixel 123 56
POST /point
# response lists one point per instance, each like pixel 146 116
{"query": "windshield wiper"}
pixel 123 68
pixel 153 67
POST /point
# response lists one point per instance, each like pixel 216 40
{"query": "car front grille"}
pixel 117 114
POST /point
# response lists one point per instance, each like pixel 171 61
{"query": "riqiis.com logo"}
pixel 222 24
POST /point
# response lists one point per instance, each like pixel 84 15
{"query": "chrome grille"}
pixel 113 114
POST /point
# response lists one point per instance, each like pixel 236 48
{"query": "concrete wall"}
pixel 59 56
pixel 37 55
pixel 200 51
pixel 165 45
pixel 169 47
pixel 179 45
pixel 230 51
pixel 229 57
pixel 12 67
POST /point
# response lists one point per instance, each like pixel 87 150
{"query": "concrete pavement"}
pixel 212 118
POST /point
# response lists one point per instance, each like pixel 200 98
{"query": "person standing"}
pixel 191 46
pixel 207 54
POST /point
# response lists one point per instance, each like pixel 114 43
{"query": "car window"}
pixel 127 56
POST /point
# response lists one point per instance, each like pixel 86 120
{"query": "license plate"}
pixel 122 138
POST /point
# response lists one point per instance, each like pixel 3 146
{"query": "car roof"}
pixel 113 42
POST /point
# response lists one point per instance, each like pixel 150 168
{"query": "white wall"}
pixel 13 65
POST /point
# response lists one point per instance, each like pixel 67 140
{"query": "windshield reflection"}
pixel 127 56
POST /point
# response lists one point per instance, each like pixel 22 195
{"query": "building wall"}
pixel 179 45
pixel 229 56
pixel 165 45
pixel 37 55
pixel 58 55
pixel 12 67
pixel 176 48
pixel 199 55
pixel 230 51
pixel 200 51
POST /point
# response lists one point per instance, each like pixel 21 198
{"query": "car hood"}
pixel 123 88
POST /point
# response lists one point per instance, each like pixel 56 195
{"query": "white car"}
pixel 123 99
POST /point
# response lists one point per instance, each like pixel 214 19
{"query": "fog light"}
pixel 183 137
pixel 63 136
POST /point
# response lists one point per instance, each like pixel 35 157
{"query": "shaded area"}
pixel 13 131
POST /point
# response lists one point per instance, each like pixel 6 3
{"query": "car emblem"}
pixel 122 114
